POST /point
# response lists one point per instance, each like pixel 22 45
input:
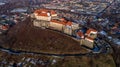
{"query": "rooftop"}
pixel 62 21
pixel 91 30
pixel 1 3
pixel 44 12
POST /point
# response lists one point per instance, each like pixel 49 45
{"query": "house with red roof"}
pixel 89 42
pixel 44 14
pixel 63 25
pixel 70 28
pixel 4 27
pixel 80 35
pixel 57 24
pixel 91 33
pixel 87 39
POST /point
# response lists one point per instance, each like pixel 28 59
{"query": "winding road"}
pixel 40 53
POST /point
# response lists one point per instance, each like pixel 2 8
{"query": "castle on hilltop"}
pixel 46 18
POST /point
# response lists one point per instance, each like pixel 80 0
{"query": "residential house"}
pixel 4 27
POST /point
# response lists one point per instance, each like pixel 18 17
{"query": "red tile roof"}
pixel 69 23
pixel 4 27
pixel 58 21
pixel 43 12
pixel 90 30
pixel 80 34
pixel 62 21
pixel 52 12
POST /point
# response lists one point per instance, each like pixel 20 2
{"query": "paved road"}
pixel 116 52
pixel 100 13
pixel 40 53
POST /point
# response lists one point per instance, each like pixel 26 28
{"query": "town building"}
pixel 43 18
pixel 91 33
pixel 80 35
pixel 88 42
pixel 58 24
pixel 41 23
pixel 4 27
pixel 87 39
pixel 44 14
pixel 48 19
pixel 67 27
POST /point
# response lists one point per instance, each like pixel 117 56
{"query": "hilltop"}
pixel 24 36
